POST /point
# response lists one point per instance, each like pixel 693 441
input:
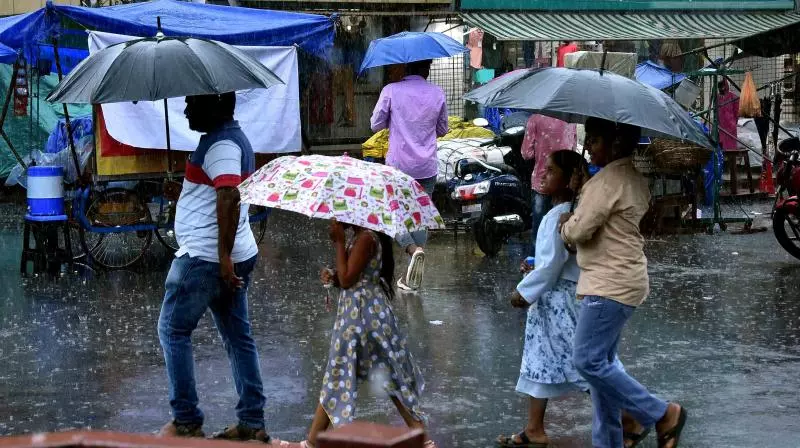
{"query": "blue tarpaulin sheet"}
pixel 7 55
pixel 657 76
pixel 232 25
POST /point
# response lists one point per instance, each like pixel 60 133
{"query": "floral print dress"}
pixel 366 341
pixel 547 370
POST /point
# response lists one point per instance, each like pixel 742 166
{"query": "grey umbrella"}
pixel 162 67
pixel 574 95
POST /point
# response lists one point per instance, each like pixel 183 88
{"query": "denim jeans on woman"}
pixel 419 237
pixel 194 285
pixel 597 336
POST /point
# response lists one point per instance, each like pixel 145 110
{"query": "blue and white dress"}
pixel 547 370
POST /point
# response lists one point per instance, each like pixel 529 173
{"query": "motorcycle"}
pixel 786 211
pixel 494 198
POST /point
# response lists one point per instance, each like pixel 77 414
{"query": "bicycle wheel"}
pixel 258 222
pixel 117 209
pixel 74 233
pixel 164 211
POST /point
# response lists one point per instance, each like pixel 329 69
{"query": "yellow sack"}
pixel 464 129
pixel 749 104
pixel 377 146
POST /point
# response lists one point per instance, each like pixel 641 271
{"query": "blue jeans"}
pixel 419 237
pixel 194 285
pixel 597 336
pixel 540 205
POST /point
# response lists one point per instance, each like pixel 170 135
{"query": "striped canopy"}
pixel 554 26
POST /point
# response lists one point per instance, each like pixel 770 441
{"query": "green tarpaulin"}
pixel 24 134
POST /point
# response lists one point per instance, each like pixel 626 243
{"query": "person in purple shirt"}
pixel 415 112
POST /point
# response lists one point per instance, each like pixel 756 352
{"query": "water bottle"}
pixel 530 262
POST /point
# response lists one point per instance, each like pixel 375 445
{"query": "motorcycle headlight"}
pixel 482 188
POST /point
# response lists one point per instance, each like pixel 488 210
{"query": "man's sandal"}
pixel 636 438
pixel 673 434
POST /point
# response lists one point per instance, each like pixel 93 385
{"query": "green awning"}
pixel 554 26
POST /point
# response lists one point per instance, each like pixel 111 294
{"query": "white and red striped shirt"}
pixel 222 159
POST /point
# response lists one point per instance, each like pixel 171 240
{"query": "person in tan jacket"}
pixel 612 283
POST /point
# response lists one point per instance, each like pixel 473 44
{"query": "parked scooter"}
pixel 786 212
pixel 495 198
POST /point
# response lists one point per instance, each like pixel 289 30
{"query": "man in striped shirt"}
pixel 212 270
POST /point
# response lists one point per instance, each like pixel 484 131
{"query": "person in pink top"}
pixel 728 116
pixel 415 112
pixel 544 136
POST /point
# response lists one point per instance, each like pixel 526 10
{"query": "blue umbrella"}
pixel 406 47
pixel 7 55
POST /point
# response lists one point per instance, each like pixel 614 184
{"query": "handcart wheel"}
pixel 114 242
pixel 167 238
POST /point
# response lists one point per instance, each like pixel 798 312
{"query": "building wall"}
pixel 12 7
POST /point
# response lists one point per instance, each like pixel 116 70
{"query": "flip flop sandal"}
pixel 416 269
pixel 508 442
pixel 674 433
pixel 636 438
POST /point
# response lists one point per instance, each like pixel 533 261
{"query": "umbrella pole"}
pixel 169 145
pixel 66 115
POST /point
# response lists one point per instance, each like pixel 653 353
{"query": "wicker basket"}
pixel 673 155
pixel 643 161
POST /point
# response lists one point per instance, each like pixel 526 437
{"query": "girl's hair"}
pixel 387 264
pixel 569 162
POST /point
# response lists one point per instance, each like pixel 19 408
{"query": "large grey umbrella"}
pixel 574 95
pixel 162 67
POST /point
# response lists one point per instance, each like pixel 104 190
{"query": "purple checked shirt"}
pixel 415 112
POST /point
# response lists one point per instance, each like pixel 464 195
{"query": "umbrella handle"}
pixel 603 61
pixel 169 146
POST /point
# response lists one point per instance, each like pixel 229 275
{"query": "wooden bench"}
pixel 732 157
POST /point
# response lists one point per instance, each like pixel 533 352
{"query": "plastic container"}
pixel 687 92
pixel 45 191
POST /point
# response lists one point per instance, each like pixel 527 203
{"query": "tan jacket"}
pixel 605 229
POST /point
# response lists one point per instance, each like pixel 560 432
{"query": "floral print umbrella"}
pixel 368 195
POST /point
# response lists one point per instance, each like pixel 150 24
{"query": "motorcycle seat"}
pixel 477 167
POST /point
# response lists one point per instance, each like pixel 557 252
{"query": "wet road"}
pixel 719 334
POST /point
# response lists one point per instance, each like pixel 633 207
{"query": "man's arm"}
pixel 228 209
pixel 596 204
pixel 380 115
pixel 223 166
pixel 442 125
pixel 528 148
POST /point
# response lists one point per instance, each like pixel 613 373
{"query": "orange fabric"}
pixel 115 158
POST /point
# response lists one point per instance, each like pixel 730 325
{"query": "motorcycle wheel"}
pixel 488 239
pixel 787 231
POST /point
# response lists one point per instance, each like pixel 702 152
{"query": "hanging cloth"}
pixel 475 45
